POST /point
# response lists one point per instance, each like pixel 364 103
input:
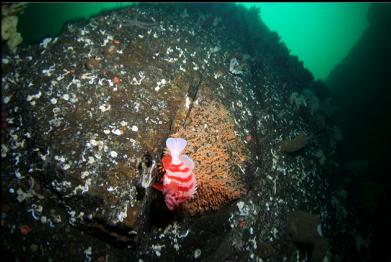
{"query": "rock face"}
pixel 305 229
pixel 295 144
pixel 86 116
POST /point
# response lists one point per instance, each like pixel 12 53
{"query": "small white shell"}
pixel 65 97
pixel 197 253
pixel 113 154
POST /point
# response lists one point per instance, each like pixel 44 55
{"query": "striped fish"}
pixel 179 182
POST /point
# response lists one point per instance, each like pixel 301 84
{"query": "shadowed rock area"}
pixel 361 84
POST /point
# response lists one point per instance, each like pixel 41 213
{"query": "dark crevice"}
pixel 192 94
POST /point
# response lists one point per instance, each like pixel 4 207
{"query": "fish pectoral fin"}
pixel 158 186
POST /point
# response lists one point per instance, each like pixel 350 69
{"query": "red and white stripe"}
pixel 179 183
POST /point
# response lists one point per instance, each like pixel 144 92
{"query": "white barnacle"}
pixel 105 107
pixel 65 97
pixel 6 99
pixel 117 132
pixel 123 214
pixel 36 96
pixel 169 50
pixel 87 76
pixel 157 249
pixel 35 211
pixel 111 189
pixel 48 71
pixel 60 158
pixel 113 154
pixel 56 110
pixel 275 231
pixel 74 99
pixel 197 253
pixel 243 208
pixel 107 40
pixel 4 150
pixel 44 219
pixel 91 160
pixel 10 120
pixel 187 103
pixel 137 82
pixel 85 174
pixel 134 128
pixel 18 174
pixel 53 101
pixel 88 253
pixel 45 42
pixel 93 142
pixel 100 81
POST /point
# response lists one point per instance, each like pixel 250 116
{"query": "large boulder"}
pixel 86 116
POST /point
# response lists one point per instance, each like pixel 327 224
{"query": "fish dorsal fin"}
pixel 176 146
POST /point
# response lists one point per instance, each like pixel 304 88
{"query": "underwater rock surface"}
pixel 86 115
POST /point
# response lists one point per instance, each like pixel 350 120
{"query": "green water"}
pixel 42 20
pixel 320 34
